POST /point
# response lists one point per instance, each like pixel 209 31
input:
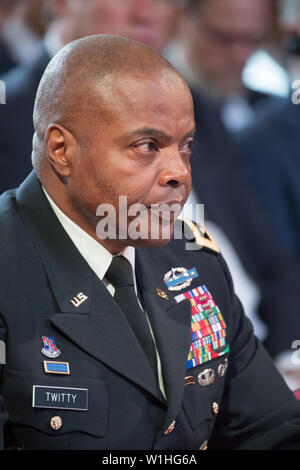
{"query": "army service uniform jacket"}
pixel 75 375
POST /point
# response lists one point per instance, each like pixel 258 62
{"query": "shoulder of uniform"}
pixel 201 235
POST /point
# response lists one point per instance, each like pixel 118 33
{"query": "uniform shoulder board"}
pixel 201 234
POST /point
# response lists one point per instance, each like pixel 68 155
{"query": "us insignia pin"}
pixel 55 367
pixel 162 294
pixel 179 278
pixel 50 349
pixel 78 299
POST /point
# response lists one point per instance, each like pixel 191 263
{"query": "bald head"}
pixel 83 72
pixel 112 118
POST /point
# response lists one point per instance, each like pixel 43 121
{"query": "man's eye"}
pixel 146 147
pixel 187 146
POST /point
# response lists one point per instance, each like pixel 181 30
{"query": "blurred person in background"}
pixel 218 179
pixel 271 155
pixel 271 149
pixel 148 21
pixel 232 210
pixel 23 29
pixel 6 60
pixel 259 264
pixel 218 37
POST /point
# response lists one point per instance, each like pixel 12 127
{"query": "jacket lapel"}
pixel 97 324
pixel 105 334
pixel 171 324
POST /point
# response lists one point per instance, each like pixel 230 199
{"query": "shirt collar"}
pixel 97 257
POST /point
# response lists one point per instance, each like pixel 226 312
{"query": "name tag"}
pixel 60 397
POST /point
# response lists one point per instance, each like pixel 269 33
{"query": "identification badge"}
pixel 60 397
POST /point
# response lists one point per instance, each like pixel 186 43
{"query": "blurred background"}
pixel 241 59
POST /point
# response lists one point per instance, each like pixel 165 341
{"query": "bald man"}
pixel 118 341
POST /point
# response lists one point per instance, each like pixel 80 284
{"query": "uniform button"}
pixel 215 407
pixel 56 422
pixel 170 428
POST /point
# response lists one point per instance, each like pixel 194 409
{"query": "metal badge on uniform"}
pixel 189 380
pixel 207 325
pixel 55 367
pixel 50 349
pixel 179 278
pixel 79 299
pixel 60 397
pixel 162 294
pixel 223 368
pixel 206 377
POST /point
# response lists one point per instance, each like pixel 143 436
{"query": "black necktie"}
pixel 120 275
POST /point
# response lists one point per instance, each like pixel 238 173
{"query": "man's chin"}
pixel 144 231
pixel 159 235
pixel 147 243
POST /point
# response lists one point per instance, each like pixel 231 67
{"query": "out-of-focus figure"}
pixel 271 156
pixel 218 37
pixel 149 21
pixel 6 60
pixel 23 28
pixel 271 149
pixel 219 179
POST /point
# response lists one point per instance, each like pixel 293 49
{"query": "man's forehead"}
pixel 149 108
pixel 136 89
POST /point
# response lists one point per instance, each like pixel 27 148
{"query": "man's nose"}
pixel 175 170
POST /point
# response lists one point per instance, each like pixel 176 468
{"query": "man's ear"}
pixel 61 146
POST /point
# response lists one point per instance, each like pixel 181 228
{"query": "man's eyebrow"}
pixel 191 133
pixel 148 131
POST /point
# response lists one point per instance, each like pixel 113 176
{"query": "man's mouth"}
pixel 173 205
pixel 165 212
